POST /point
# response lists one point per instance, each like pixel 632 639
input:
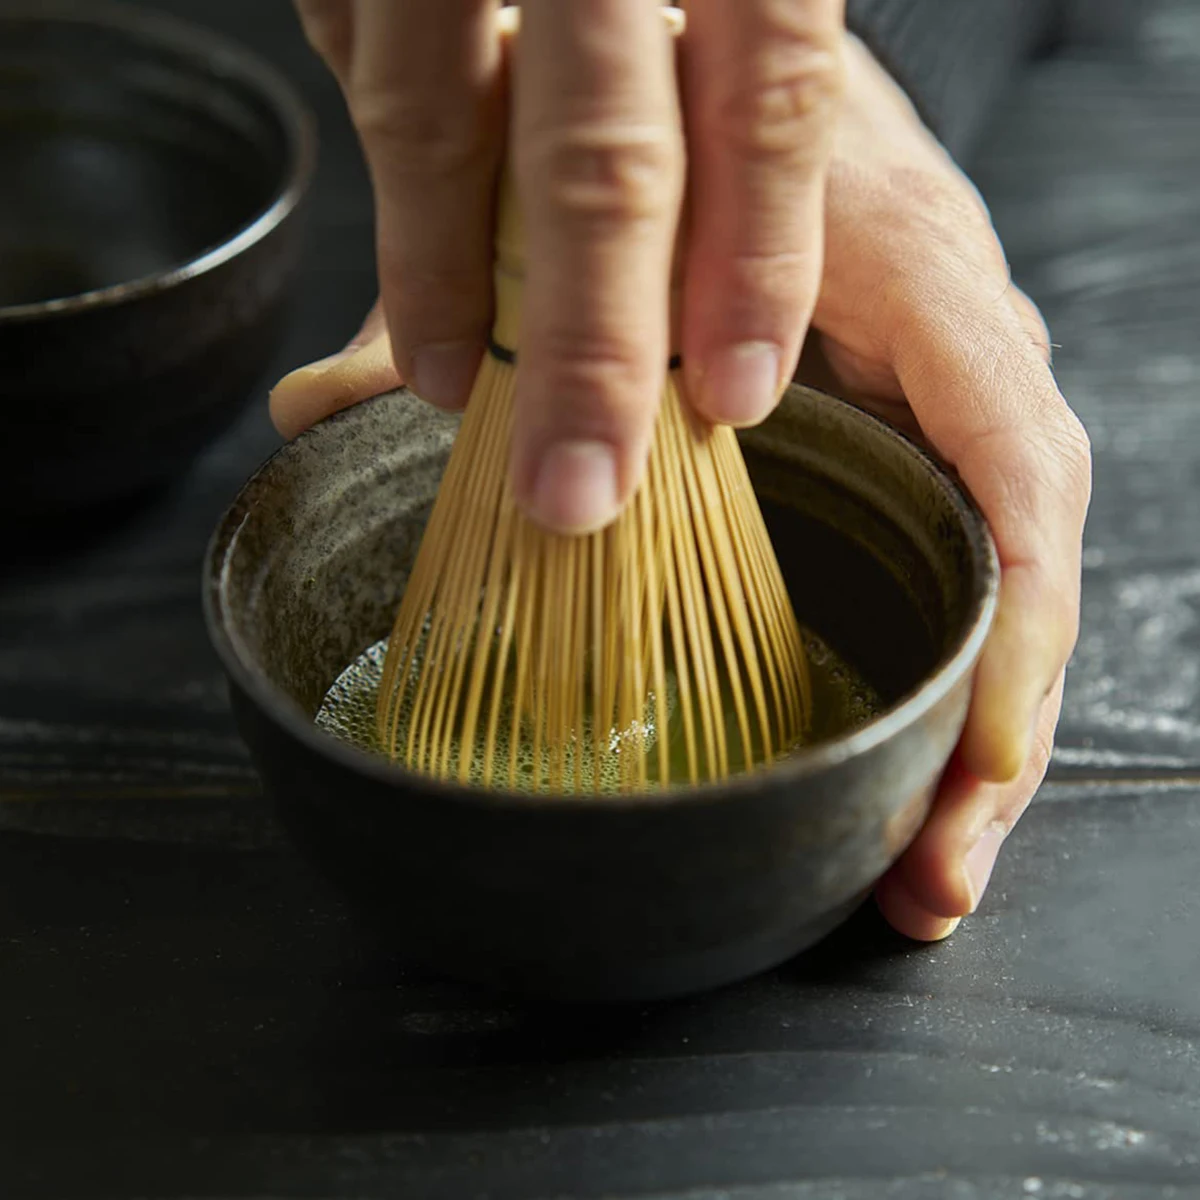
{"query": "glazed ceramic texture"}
pixel 605 898
pixel 149 230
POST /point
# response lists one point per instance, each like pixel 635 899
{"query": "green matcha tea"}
pixel 842 701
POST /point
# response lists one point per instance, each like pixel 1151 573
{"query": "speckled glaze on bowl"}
pixel 601 898
pixel 153 178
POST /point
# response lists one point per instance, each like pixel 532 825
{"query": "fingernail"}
pixel 575 490
pixel 940 934
pixel 444 372
pixel 980 861
pixel 740 384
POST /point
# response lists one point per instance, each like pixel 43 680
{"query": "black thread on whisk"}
pixel 505 355
pixel 501 353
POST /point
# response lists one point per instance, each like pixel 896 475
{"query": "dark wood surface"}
pixel 186 1011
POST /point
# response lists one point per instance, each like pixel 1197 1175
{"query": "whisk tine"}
pixel 678 470
pixel 522 691
pixel 578 655
pixel 598 655
pixel 500 668
pixel 652 623
pixel 633 694
pixel 661 649
pixel 645 631
pixel 674 622
pixel 762 634
pixel 484 653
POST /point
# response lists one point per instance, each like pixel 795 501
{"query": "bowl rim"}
pixel 219 57
pixel 801 764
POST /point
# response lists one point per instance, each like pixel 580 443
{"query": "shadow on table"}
pixel 450 1058
pixel 172 990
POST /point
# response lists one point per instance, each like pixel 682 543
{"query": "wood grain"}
pixel 190 1022
pixel 186 1011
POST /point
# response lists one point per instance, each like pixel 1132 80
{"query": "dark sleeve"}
pixel 954 57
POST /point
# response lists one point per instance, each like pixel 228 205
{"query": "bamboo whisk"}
pixel 661 649
pixel 525 658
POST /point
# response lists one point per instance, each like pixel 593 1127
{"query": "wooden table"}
pixel 186 1011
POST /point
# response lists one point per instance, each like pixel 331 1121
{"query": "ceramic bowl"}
pixel 153 176
pixel 600 898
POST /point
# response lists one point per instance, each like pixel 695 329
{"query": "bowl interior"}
pixel 130 147
pixel 885 559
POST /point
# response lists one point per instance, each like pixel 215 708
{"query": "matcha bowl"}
pixel 153 180
pixel 609 898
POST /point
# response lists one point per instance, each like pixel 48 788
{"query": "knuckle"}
pixel 1050 599
pixel 605 173
pixel 419 138
pixel 599 382
pixel 1039 760
pixel 926 190
pixel 785 109
pixel 1064 612
pixel 1067 453
pixel 1023 478
pixel 1076 450
pixel 1051 595
pixel 1043 751
pixel 931 227
pixel 1038 334
pixel 780 281
pixel 1032 320
pixel 438 301
pixel 1015 803
pixel 936 208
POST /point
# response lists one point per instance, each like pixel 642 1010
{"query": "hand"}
pixel 599 154
pixel 917 316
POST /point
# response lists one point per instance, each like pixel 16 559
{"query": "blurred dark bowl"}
pixel 153 180
pixel 605 898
